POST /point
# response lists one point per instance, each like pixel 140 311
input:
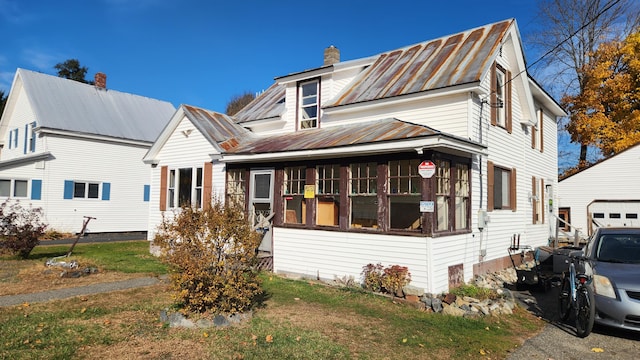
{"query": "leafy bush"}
pixel 212 256
pixel 390 279
pixel 372 274
pixel 395 278
pixel 20 228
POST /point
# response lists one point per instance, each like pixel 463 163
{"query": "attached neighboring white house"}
pixel 76 150
pixel 604 194
pixel 430 156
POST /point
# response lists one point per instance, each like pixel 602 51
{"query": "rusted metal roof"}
pixel 336 136
pixel 267 105
pixel 217 128
pixel 452 60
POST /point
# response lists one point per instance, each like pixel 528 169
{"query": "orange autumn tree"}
pixel 606 113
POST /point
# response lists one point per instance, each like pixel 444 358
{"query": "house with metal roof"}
pixel 75 150
pixel 431 156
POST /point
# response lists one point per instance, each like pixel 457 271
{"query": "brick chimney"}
pixel 331 55
pixel 100 80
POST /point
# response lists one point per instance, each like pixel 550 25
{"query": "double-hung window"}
pixel 86 190
pixel 363 195
pixel 185 187
pixel 14 188
pixel 501 187
pixel 13 138
pixel 328 195
pixel 308 95
pixel 32 137
pixel 294 202
pixel 501 97
pixel 404 194
pixel 452 195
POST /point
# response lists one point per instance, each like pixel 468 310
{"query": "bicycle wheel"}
pixel 564 299
pixel 585 312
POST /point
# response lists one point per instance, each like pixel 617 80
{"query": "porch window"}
pixel 404 195
pixel 185 187
pixel 294 202
pixel 308 104
pixel 462 190
pixel 363 186
pixel 443 194
pixel 236 187
pixel 328 195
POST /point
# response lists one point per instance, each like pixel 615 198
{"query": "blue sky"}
pixel 204 52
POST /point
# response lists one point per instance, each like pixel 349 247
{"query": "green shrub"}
pixel 212 256
pixel 20 228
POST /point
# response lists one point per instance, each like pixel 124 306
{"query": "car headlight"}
pixel 603 286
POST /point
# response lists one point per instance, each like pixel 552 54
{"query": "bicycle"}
pixel 577 295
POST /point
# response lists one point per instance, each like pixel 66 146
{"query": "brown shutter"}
pixel 206 184
pixel 507 101
pixel 534 136
pixel 542 206
pixel 534 201
pixel 513 191
pixel 494 96
pixel 163 188
pixel 489 186
pixel 541 130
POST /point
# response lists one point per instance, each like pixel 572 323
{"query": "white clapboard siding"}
pixel 616 178
pixel 317 253
pixel 114 163
pixel 181 151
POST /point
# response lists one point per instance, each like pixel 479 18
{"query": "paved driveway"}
pixel 558 340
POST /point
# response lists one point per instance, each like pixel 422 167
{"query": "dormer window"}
pixel 308 93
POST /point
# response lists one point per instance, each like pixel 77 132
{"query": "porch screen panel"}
pixel 363 194
pixel 462 190
pixel 328 195
pixel 443 194
pixel 294 202
pixel 404 195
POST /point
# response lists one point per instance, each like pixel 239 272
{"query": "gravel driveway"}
pixel 558 340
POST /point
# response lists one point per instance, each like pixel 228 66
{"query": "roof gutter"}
pixel 50 131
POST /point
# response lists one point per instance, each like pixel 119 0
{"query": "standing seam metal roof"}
pixel 68 105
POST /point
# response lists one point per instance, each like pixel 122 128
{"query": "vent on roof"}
pixel 100 80
pixel 331 55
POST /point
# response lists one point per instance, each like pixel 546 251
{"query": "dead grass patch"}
pixel 139 348
pixel 22 277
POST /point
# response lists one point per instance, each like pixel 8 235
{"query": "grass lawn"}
pixel 297 320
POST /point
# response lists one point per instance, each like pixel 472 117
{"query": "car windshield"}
pixel 620 248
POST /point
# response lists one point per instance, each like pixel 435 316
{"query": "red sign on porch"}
pixel 426 169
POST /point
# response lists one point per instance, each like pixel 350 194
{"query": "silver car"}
pixel 614 261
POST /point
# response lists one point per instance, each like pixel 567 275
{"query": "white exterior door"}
pixel 261 204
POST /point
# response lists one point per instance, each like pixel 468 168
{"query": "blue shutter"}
pixel 26 137
pixel 68 189
pixel 36 189
pixel 106 190
pixel 147 192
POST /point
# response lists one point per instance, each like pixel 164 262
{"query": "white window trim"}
pixel 301 106
pixel 12 189
pixel 176 187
